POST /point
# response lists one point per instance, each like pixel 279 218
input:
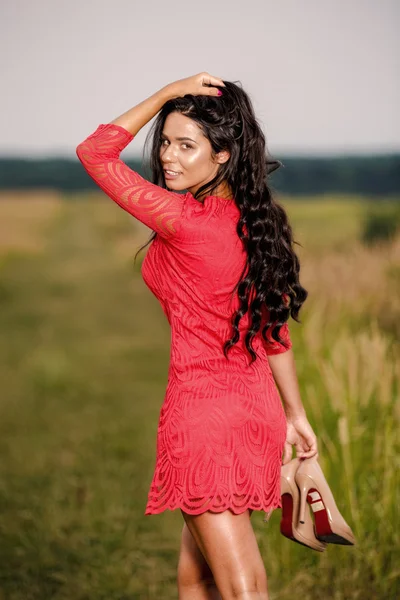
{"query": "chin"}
pixel 174 187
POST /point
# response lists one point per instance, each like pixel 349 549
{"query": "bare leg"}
pixel 195 579
pixel 228 543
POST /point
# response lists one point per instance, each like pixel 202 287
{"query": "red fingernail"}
pixel 219 93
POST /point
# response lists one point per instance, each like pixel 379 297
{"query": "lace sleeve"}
pixel 151 204
pixel 273 347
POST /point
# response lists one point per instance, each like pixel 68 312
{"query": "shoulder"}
pixel 213 219
pixel 213 206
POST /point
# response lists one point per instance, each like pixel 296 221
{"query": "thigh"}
pixel 228 543
pixel 192 566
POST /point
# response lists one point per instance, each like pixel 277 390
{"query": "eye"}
pixel 184 145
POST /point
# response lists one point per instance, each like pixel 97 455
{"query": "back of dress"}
pixel 222 426
pixel 194 275
pixel 197 257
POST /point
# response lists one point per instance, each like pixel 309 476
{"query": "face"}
pixel 188 154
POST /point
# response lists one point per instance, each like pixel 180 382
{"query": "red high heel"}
pixel 330 526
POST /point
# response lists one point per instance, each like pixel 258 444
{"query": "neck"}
pixel 222 191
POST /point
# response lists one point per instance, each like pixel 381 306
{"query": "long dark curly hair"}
pixel 269 283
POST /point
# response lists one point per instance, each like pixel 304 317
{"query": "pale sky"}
pixel 323 75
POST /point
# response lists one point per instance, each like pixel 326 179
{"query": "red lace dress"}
pixel 222 426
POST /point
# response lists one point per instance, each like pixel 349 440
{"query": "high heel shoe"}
pixel 330 526
pixel 303 533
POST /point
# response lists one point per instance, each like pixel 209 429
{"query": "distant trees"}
pixel 369 175
pixel 365 175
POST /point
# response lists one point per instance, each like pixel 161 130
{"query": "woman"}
pixel 222 265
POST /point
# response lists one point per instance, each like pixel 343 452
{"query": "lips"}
pixel 172 172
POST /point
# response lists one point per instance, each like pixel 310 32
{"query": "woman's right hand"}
pixel 197 85
pixel 299 434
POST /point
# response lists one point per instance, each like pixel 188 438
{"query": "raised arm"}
pixel 151 204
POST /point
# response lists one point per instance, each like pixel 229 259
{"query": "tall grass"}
pixel 83 364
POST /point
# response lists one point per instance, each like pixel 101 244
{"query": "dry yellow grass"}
pixel 24 217
pixel 85 351
pixel 361 280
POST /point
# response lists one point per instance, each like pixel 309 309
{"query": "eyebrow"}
pixel 180 139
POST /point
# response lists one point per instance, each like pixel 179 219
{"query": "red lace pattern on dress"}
pixel 222 426
pixel 157 208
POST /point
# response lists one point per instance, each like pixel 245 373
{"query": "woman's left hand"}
pixel 300 435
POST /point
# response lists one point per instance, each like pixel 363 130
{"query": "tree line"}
pixel 367 175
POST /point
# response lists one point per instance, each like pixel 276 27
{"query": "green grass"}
pixel 84 356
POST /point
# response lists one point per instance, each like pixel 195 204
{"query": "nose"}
pixel 168 154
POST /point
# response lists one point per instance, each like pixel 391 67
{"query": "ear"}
pixel 222 157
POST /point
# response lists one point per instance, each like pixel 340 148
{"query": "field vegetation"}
pixel 84 352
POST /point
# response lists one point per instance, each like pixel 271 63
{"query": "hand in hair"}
pixel 201 84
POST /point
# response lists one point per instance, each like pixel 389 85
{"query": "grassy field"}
pixel 83 366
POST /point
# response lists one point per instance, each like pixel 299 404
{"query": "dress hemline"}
pixel 234 510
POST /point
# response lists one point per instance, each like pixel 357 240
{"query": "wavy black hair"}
pixel 270 278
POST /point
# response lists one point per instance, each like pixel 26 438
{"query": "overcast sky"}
pixel 324 75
